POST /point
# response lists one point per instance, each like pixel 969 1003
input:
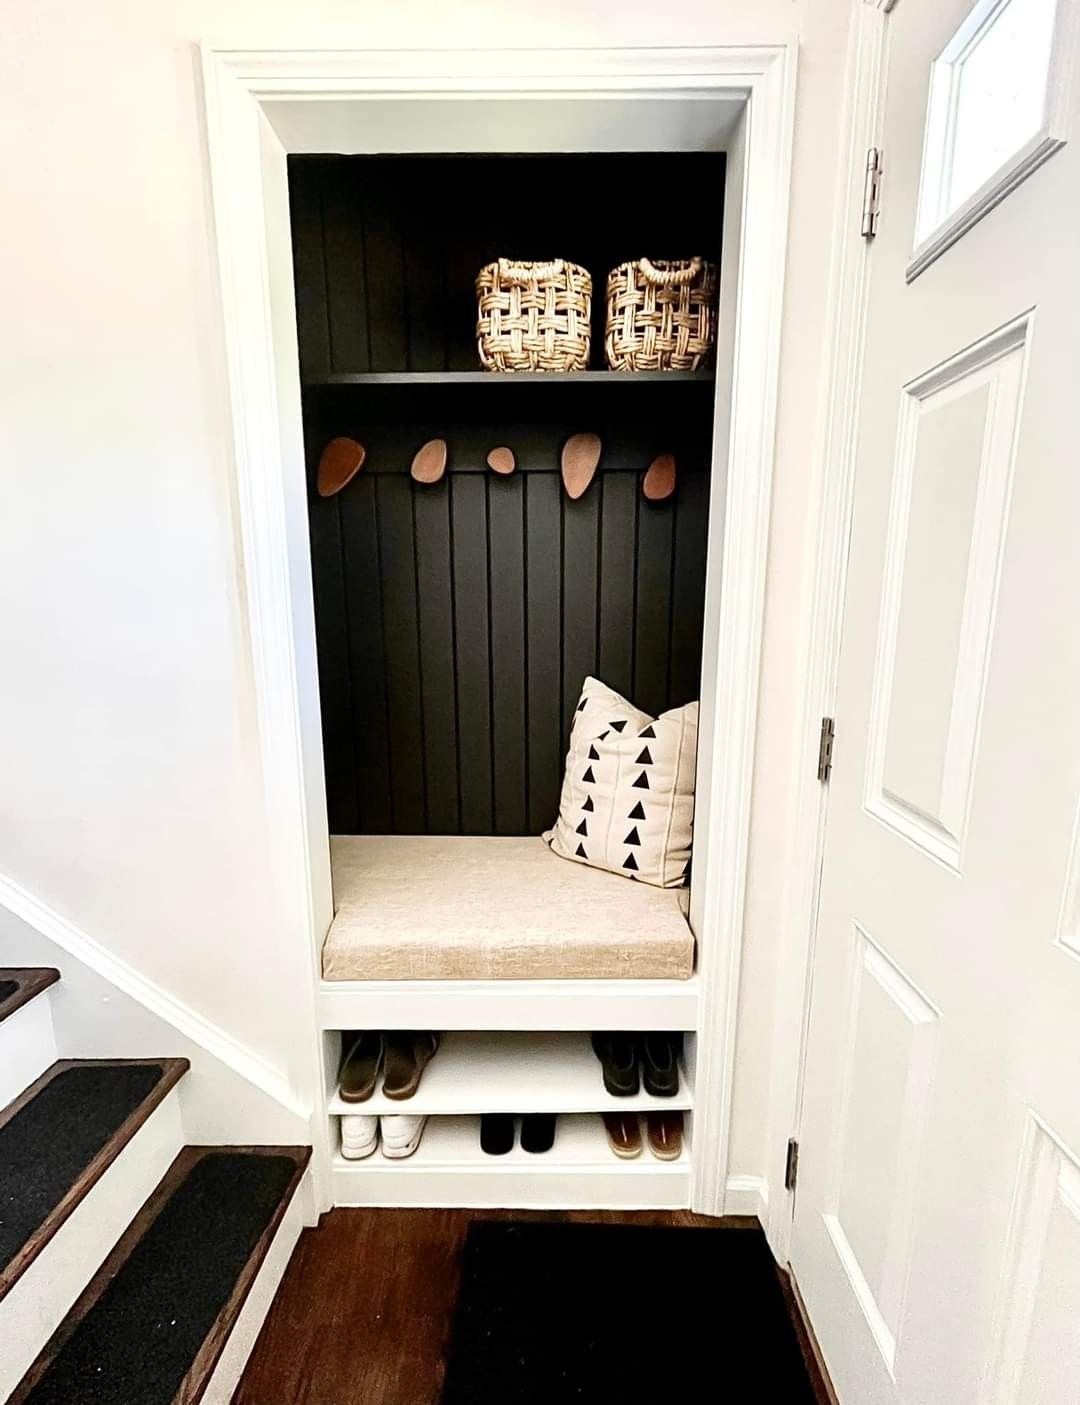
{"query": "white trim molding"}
pixel 833 464
pixel 200 1031
pixel 747 1195
pixel 247 159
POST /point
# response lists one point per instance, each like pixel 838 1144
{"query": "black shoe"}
pixel 538 1132
pixel 660 1061
pixel 618 1054
pixel 496 1133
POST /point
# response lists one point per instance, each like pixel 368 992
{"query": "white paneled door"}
pixel 937 1214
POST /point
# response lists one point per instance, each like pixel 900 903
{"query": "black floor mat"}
pixel 136 1343
pixel 599 1314
pixel 48 1144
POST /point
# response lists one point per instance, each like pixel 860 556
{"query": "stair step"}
pixel 19 985
pixel 59 1137
pixel 27 1036
pixel 154 1320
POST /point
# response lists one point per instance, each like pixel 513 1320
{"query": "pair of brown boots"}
pixel 663 1132
pixel 401 1057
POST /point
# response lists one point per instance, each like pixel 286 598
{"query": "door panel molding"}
pixel 1045 1214
pixel 1068 933
pixel 889 1091
pixel 994 370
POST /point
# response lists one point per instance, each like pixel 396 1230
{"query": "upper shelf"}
pixel 549 378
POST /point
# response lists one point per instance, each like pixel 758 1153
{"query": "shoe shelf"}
pixel 515 1072
pixel 449 1168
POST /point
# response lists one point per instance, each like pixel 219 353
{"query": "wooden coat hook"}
pixel 580 457
pixel 339 463
pixel 429 463
pixel 659 481
pixel 501 460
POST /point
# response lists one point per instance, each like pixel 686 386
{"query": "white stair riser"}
pixel 233 1359
pixel 37 1303
pixel 27 1046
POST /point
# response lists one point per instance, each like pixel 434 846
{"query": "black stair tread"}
pixel 150 1327
pixel 19 985
pixel 59 1137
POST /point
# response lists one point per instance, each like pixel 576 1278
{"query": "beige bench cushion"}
pixel 463 908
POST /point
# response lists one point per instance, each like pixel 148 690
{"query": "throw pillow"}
pixel 628 790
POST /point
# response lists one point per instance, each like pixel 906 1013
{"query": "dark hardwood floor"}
pixel 363 1312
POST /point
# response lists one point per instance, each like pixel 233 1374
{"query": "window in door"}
pixel 995 113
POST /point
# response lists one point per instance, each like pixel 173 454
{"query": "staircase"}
pixel 134 1269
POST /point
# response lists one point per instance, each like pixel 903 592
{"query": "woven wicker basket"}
pixel 661 315
pixel 533 316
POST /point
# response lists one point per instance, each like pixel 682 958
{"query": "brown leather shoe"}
pixel 664 1131
pixel 360 1068
pixel 623 1134
pixel 407 1055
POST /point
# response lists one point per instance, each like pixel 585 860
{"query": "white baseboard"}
pixel 747 1195
pixel 376 1183
pixel 194 1027
pixel 27 1046
pixel 39 1300
pixel 246 1329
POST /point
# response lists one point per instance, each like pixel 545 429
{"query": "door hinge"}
pixel 825 748
pixel 791 1166
pixel 871 200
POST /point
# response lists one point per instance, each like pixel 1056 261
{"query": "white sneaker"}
pixel 359 1135
pixel 401 1134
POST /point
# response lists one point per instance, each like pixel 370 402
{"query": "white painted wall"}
pixel 131 796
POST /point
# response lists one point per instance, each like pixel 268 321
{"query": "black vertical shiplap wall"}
pixel 455 623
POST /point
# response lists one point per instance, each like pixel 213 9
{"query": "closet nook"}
pixel 462 596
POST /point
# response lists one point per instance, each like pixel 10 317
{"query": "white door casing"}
pixel 328 92
pixel 936 1237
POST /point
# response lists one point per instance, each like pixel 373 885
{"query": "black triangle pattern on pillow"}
pixel 593 798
